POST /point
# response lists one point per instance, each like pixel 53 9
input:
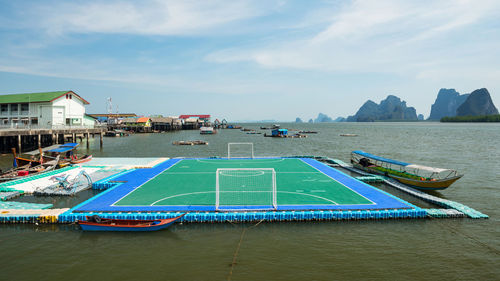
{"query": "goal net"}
pixel 245 189
pixel 240 150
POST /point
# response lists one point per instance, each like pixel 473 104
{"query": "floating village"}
pixel 43 131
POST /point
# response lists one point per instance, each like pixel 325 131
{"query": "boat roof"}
pixel 378 158
pixel 404 164
pixel 64 148
pixel 426 168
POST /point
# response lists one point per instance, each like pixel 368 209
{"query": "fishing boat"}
pixel 29 169
pixel 116 133
pixel 31 159
pixel 207 131
pixel 67 155
pixel 96 223
pixel 83 159
pixel 418 176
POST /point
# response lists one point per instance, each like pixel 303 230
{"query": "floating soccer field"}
pixel 238 185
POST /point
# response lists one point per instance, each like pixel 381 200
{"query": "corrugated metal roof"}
pixel 36 97
pixel 161 119
pixel 129 120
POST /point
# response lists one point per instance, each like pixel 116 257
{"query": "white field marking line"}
pixel 261 173
pixel 200 173
pixel 373 203
pixel 240 161
pixel 144 183
pixel 201 192
pixel 311 195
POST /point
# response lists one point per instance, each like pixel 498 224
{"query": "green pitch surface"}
pixel 192 182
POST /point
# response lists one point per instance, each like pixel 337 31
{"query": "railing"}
pixel 48 127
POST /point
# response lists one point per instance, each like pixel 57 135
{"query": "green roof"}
pixel 34 97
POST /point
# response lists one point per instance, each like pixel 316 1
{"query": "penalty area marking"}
pixel 240 161
pixel 205 192
pixel 373 203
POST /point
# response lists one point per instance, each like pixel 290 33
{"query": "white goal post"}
pixel 247 147
pixel 245 188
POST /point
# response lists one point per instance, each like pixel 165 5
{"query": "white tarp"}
pixel 31 186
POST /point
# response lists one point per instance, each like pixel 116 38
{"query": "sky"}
pixel 250 60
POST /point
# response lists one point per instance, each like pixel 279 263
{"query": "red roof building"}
pixel 201 116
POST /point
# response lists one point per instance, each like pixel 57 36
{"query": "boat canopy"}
pixel 427 169
pixel 415 169
pixel 378 158
pixel 64 148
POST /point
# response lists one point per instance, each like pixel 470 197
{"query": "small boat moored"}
pixel 207 131
pixel 68 155
pixel 418 176
pixel 96 223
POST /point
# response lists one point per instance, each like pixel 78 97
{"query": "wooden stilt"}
pixel 19 143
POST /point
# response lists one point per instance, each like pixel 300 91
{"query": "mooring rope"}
pixel 456 231
pixel 235 255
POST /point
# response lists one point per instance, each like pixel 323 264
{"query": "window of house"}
pixel 4 108
pixel 13 107
pixel 25 107
pixel 34 121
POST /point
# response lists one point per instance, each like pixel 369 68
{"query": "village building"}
pixel 138 125
pixel 112 118
pixel 194 121
pixel 161 123
pixel 43 110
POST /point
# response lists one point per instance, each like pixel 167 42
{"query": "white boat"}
pixel 207 131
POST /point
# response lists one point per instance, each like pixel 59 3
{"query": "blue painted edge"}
pixel 208 217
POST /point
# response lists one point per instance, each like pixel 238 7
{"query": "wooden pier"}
pixel 29 139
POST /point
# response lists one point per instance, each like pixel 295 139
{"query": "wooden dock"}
pixel 33 138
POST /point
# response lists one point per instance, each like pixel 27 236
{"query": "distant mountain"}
pixel 390 109
pixel 339 119
pixel 298 120
pixel 322 118
pixel 446 104
pixel 310 121
pixel 420 117
pixel 478 103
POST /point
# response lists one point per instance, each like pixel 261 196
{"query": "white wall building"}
pixel 43 110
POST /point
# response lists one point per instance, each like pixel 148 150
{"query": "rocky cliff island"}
pixel 390 109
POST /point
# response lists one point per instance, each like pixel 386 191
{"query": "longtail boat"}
pixel 83 159
pixel 29 169
pixel 96 223
pixel 418 176
pixel 68 155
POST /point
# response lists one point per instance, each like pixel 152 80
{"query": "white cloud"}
pixel 378 36
pixel 152 17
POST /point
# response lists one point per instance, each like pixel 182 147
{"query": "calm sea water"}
pixel 433 249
